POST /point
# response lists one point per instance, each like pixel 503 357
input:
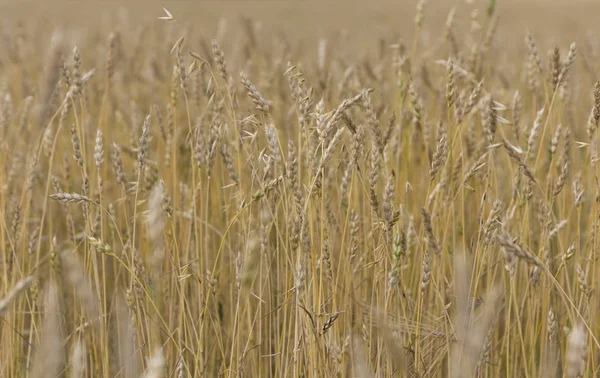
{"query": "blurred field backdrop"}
pixel 299 189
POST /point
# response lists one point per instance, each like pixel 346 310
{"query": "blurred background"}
pixel 304 21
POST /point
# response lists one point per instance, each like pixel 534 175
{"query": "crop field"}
pixel 300 189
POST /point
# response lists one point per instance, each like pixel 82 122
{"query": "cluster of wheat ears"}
pixel 423 212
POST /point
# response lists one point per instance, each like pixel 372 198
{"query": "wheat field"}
pixel 300 189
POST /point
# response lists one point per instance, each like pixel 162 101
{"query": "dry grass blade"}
pixel 168 16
